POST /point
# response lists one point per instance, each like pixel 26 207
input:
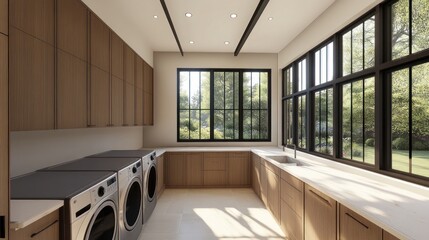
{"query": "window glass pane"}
pixel 205 124
pixel 357 121
pixel 347 53
pixel 264 121
pixel 184 124
pixel 205 90
pixel 317 68
pixel 416 159
pixel 255 90
pixel 331 61
pixel 255 124
pixel 302 75
pixel 400 29
pixel 264 90
pixel 184 90
pixel 229 90
pixel 324 64
pixel 302 137
pixel 247 90
pixel 420 20
pixel 219 92
pixel 369 38
pixel 247 124
pixel 219 126
pixel 229 124
pixel 369 121
pixel 346 121
pixel 287 81
pixel 317 121
pixel 287 121
pixel 323 132
pixel 357 48
pixel 194 124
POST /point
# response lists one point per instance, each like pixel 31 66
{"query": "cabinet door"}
pixel 117 101
pixel 4 16
pixel 273 194
pixel 72 101
pixel 4 131
pixel 320 215
pixel 100 101
pixel 100 43
pixel 35 18
pixel 175 170
pixel 256 174
pixel 264 184
pixel 388 236
pixel 355 227
pixel 129 63
pixel 46 228
pixel 139 91
pixel 148 78
pixel 292 210
pixel 194 173
pixel 129 102
pixel 147 109
pixel 238 169
pixel 215 161
pixel 72 28
pixel 31 82
pixel 160 174
pixel 117 55
pixel 215 178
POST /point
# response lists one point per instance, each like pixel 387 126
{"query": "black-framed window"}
pixel 323 121
pixel 302 121
pixel 409 30
pixel 302 75
pixel 288 81
pixel 359 47
pixel 288 121
pixel 409 119
pixel 358 120
pixel 324 64
pixel 224 105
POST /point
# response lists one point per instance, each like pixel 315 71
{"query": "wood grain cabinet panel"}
pixel 72 28
pixel 138 72
pixel 215 161
pixel 273 194
pixel 292 209
pixel 256 174
pixel 117 101
pixel 117 48
pixel 129 102
pixel 35 18
pixel 355 227
pixel 264 184
pixel 291 224
pixel 175 170
pixel 100 98
pixel 129 65
pixel 139 91
pixel 215 178
pixel 147 109
pixel 46 228
pixel 4 131
pixel 293 197
pixel 160 175
pixel 31 82
pixel 388 236
pixel 238 169
pixel 4 16
pixel 72 104
pixel 148 78
pixel 194 174
pixel 320 215
pixel 100 43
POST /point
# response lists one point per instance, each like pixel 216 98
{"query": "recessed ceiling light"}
pixel 188 14
pixel 191 42
pixel 155 16
pixel 226 42
pixel 270 19
pixel 233 15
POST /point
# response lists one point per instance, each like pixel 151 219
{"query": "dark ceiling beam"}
pixel 258 12
pixel 167 14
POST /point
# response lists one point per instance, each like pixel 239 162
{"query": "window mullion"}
pixel 211 105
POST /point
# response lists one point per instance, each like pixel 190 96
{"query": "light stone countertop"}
pixel 26 212
pixel 397 206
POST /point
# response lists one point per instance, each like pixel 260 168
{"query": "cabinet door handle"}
pixel 321 198
pixel 361 223
pixel 37 233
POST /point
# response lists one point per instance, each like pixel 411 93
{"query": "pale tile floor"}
pixel 209 214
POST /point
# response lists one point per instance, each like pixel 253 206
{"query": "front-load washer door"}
pixel 103 225
pixel 151 183
pixel 132 208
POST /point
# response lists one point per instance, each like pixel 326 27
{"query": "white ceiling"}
pixel 210 25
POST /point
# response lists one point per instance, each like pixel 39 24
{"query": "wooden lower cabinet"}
pixel 273 193
pixel 320 215
pixel 160 175
pixel 264 184
pixel 388 236
pixel 194 167
pixel 238 169
pixel 292 207
pixel 256 174
pixel 175 170
pixel 214 165
pixel 46 228
pixel 352 226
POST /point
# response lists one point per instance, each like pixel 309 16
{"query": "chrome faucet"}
pixel 294 149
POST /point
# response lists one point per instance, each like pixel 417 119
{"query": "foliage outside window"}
pixel 324 64
pixel 323 121
pixel 287 82
pixel 410 115
pixel 302 122
pixel 359 47
pixel 223 105
pixel 409 29
pixel 288 121
pixel 358 120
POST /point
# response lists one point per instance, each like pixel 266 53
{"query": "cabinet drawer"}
pixel 353 226
pixel 292 197
pixel 295 182
pixel 46 228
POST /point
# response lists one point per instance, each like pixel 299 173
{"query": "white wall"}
pixel 164 132
pixel 33 150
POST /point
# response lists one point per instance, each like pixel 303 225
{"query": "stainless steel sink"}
pixel 284 160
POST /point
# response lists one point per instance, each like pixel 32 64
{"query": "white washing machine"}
pixel 90 201
pixel 129 172
pixel 149 177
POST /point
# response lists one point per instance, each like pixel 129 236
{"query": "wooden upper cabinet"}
pixel 35 18
pixel 100 44
pixel 148 95
pixel 4 9
pixel 117 48
pixel 139 91
pixel 239 169
pixel 355 227
pixel 100 98
pixel 31 77
pixel 148 78
pixel 72 28
pixel 117 101
pixel 4 131
pixel 71 92
pixel 129 62
pixel 138 72
pixel 129 101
